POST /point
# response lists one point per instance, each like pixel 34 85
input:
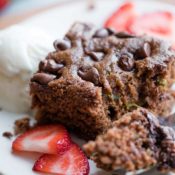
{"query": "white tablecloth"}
pixel 18 6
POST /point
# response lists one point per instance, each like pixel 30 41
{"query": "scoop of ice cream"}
pixel 21 49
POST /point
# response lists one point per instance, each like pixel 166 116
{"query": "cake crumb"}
pixel 8 135
pixel 22 125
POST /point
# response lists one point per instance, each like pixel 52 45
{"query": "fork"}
pixel 148 171
pixel 168 121
pixel 165 121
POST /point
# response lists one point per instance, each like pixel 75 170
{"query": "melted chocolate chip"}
pixel 89 74
pixel 42 65
pixel 50 66
pixel 126 62
pixel 54 67
pixel 143 52
pixel 34 87
pixel 43 78
pixel 62 44
pixel 111 31
pixel 96 56
pixel 101 33
pixel 124 35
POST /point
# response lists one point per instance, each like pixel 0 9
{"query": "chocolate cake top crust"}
pixel 135 141
pixel 94 76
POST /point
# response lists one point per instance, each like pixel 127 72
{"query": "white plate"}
pixel 56 22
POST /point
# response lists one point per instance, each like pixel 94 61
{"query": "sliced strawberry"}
pixel 50 139
pixel 3 3
pixel 122 18
pixel 173 46
pixel 72 162
pixel 157 23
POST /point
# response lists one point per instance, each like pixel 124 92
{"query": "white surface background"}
pixel 19 6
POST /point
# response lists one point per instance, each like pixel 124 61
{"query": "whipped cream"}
pixel 21 49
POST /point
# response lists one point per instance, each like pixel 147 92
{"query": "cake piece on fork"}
pixel 136 141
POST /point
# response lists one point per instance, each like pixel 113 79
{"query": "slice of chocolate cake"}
pixel 95 76
pixel 136 141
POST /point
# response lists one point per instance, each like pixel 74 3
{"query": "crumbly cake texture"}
pixel 135 141
pixel 22 125
pixel 95 76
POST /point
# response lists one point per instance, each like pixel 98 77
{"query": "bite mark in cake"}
pixel 94 76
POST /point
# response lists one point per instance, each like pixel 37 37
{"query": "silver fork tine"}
pixel 119 172
pixel 152 170
pixel 168 121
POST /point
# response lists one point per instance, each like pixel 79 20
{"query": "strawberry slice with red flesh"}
pixel 3 3
pixel 72 162
pixel 158 24
pixel 50 139
pixel 122 18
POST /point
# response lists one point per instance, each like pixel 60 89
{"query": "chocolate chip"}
pixel 43 78
pixel 111 31
pixel 54 67
pixel 42 65
pixel 34 87
pixel 50 66
pixel 101 33
pixel 143 52
pixel 62 44
pixel 96 56
pixel 126 62
pixel 124 35
pixel 89 74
